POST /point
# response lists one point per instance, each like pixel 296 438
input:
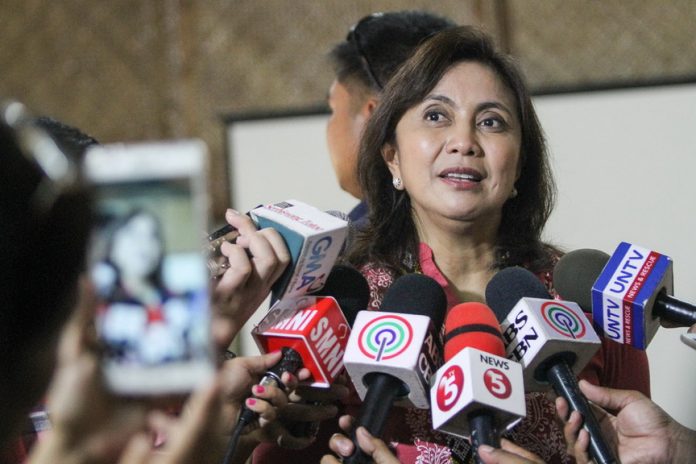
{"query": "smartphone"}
pixel 148 267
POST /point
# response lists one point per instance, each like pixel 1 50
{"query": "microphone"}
pixel 629 292
pixel 392 353
pixel 553 340
pixel 314 239
pixel 477 392
pixel 311 332
pixel 317 327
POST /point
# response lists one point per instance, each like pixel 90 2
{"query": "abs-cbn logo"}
pixel 385 337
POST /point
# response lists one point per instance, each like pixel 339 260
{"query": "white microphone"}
pixel 314 239
pixel 553 340
pixel 392 353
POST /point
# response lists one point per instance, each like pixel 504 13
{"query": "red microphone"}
pixel 478 392
pixel 474 325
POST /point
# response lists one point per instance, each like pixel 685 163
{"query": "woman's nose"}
pixel 462 140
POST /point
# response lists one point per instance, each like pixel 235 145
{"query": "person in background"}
pixel 454 168
pixel 363 63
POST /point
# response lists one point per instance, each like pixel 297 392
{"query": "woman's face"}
pixel 136 247
pixel 457 152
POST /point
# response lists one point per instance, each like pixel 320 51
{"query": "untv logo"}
pixel 497 383
pixel 385 337
pixel 563 320
pixel 450 388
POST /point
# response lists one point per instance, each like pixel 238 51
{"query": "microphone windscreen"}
pixel 509 286
pixel 472 325
pixel 416 294
pixel 575 274
pixel 348 286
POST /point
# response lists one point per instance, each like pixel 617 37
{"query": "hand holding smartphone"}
pixel 147 266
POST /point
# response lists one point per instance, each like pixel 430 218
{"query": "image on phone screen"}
pixel 151 279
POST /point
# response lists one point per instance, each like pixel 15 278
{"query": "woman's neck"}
pixel 465 257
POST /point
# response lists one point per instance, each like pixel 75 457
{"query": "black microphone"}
pixel 553 340
pixel 393 352
pixel 634 282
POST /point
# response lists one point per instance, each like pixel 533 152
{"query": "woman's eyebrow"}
pixel 480 107
pixel 442 98
pixel 492 104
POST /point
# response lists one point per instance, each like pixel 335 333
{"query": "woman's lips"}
pixel 464 177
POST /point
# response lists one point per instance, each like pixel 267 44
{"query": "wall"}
pixel 133 69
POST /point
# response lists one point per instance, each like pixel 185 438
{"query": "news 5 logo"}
pixel 451 385
pixel 385 337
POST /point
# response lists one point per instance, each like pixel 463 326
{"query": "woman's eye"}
pixel 493 123
pixel 434 116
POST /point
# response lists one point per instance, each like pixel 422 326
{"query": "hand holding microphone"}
pixel 286 248
pixel 247 278
pixel 553 340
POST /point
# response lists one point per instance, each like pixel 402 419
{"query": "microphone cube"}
pixel 537 331
pixel 623 296
pixel 401 345
pixel 313 326
pixel 473 380
pixel 314 239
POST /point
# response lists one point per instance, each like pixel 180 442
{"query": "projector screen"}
pixel 623 161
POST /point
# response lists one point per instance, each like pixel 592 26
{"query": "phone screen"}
pixel 149 271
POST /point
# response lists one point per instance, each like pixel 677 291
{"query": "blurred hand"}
pixel 88 422
pixel 198 435
pixel 256 261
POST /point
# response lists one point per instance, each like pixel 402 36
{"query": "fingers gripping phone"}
pixel 147 265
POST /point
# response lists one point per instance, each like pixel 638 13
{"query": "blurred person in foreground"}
pixel 46 216
pixel 45 225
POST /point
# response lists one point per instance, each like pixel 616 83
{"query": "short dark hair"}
pixel 68 138
pixel 389 39
pixel 391 238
